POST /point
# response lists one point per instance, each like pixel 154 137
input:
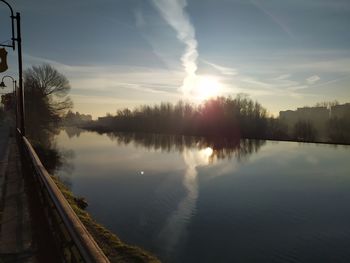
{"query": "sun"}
pixel 207 87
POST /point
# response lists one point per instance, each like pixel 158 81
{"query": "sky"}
pixel 117 53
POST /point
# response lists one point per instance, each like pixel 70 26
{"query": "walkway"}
pixel 16 244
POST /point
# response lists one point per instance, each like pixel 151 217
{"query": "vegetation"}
pixel 75 119
pixel 46 101
pixel 339 129
pixel 8 100
pixel 236 118
pixel 221 116
pixel 304 131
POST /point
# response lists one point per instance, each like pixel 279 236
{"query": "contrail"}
pixel 173 12
pixel 274 18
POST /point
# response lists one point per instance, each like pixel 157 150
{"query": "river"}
pixel 190 199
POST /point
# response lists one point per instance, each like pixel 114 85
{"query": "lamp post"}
pixel 19 50
pixel 2 84
pixel 14 92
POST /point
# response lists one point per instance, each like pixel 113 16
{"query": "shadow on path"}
pixel 24 232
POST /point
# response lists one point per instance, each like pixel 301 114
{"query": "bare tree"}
pixel 46 101
pixel 45 82
pixel 48 79
pixel 327 104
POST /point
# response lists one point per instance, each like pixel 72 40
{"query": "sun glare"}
pixel 208 152
pixel 207 87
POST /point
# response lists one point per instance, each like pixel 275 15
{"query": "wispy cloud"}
pixel 113 87
pixel 313 79
pixel 175 15
pixel 223 70
pixel 329 82
pixel 282 77
pixel 237 82
pixel 333 65
pixel 296 88
pixel 284 27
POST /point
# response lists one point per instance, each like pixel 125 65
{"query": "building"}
pixel 317 116
pixel 341 111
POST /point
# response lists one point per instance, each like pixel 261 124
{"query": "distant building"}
pixel 290 117
pixel 341 111
pixel 313 114
pixel 317 116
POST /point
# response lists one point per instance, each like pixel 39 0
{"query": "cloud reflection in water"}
pixel 175 226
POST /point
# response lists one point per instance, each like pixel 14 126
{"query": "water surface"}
pixel 189 199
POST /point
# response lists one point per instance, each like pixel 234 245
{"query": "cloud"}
pixel 284 27
pixel 313 79
pixel 267 86
pixel 295 88
pixel 110 85
pixel 283 77
pixel 174 14
pixel 328 65
pixel 332 81
pixel 96 77
pixel 223 70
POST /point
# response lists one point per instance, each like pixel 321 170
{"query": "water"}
pixel 192 200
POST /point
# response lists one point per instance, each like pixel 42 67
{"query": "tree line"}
pixel 75 119
pixel 222 116
pixel 238 117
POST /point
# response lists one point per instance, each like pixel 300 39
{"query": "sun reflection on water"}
pixel 175 227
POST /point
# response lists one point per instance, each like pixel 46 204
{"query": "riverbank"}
pixel 115 249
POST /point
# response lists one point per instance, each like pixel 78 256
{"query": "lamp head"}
pixel 2 85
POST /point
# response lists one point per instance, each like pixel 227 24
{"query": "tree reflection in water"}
pixel 73 131
pixel 53 157
pixel 196 151
pixel 222 148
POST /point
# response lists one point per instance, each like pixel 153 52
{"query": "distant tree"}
pixel 327 104
pixel 304 131
pixel 221 116
pixel 75 119
pixel 277 129
pixel 338 129
pixel 228 117
pixel 8 100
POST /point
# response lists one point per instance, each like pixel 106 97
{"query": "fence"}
pixel 74 242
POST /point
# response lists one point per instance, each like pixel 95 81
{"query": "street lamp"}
pixel 19 49
pixel 14 90
pixel 2 84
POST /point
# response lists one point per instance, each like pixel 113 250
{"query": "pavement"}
pixel 16 241
pixel 4 138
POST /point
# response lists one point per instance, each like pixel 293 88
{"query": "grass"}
pixel 115 249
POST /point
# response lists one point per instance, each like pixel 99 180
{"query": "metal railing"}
pixel 74 242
